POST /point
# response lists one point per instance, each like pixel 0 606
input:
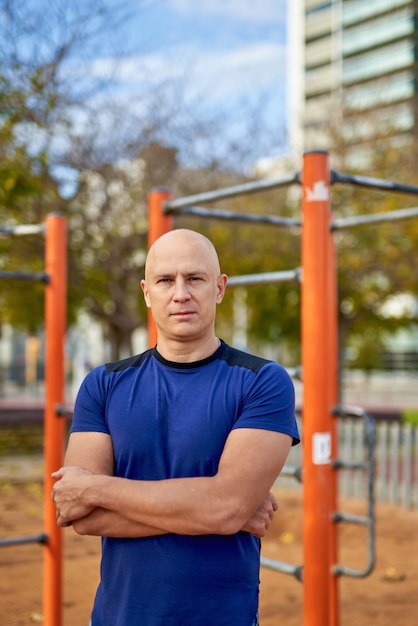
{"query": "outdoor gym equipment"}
pixel 320 571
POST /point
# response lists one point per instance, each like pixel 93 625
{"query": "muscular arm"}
pixel 222 504
pixel 93 452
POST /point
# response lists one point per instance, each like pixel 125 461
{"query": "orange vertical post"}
pixel 54 426
pixel 333 400
pixel 317 419
pixel 159 223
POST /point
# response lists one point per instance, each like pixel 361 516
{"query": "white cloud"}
pixel 248 10
pixel 248 69
pixel 243 70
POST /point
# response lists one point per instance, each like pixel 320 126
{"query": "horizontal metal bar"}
pixel 30 229
pixel 285 568
pixel 347 410
pixel 353 519
pixel 233 191
pixel 63 411
pixel 265 277
pixel 293 471
pixel 42 538
pixel 376 183
pixel 295 372
pixel 373 218
pixel 343 570
pixel 353 465
pixel 40 277
pixel 237 217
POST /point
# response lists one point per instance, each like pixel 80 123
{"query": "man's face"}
pixel 182 286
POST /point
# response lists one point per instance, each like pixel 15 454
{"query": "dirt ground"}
pixel 389 597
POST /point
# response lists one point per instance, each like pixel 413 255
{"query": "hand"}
pixel 259 523
pixel 69 494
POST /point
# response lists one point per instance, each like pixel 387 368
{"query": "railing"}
pixel 396 462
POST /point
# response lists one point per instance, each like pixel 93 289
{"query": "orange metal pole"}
pixel 317 419
pixel 54 426
pixel 159 223
pixel 333 398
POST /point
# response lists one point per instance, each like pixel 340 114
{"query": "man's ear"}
pixel 222 282
pixel 146 293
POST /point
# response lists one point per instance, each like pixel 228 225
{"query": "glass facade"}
pixel 361 56
pixel 385 29
pixel 361 10
pixel 384 91
pixel 378 62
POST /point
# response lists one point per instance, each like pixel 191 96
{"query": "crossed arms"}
pixel 92 500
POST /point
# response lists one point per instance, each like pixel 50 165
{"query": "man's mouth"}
pixel 181 314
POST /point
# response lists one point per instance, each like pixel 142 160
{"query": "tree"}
pixel 376 262
pixel 41 43
pixel 89 155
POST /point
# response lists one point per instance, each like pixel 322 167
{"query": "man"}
pixel 172 456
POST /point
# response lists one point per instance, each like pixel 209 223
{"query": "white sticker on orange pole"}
pixel 321 448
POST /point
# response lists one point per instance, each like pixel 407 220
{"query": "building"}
pixel 353 69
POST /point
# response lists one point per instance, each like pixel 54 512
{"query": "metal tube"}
pixel 40 276
pixel 158 224
pixel 54 426
pixel 30 229
pixel 332 366
pixel 317 419
pixel 17 541
pixel 340 570
pixel 231 192
pixel 238 217
pixel 266 277
pixel 353 519
pixel 374 183
pixel 359 220
pixel 285 568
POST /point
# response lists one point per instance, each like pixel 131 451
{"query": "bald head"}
pixel 182 243
pixel 182 287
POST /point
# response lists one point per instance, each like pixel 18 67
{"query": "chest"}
pixel 170 424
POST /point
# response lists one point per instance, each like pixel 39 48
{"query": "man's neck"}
pixel 186 351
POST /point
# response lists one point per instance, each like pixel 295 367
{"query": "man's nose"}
pixel 181 291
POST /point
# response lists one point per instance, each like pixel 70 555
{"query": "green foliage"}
pixel 410 416
pixel 376 262
pixel 21 439
pixel 106 209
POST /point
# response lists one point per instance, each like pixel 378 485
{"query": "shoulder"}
pixel 258 373
pixel 128 363
pixel 252 362
pixel 102 375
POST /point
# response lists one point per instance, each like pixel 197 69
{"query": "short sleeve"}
pixel 269 402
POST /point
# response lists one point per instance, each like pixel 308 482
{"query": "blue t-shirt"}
pixel 171 420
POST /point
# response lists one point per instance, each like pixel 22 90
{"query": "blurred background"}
pixel 102 101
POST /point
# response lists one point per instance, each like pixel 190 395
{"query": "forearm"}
pixel 192 506
pixel 105 523
pixel 220 504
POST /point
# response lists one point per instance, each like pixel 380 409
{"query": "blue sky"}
pixel 222 53
pixel 228 49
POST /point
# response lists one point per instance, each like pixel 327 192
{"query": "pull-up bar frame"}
pixel 318 277
pixel 55 279
pixel 319 337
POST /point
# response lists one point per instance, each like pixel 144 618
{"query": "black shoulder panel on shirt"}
pixel 231 356
pixel 238 358
pixel 131 361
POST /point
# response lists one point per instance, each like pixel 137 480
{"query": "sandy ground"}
pixel 389 597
